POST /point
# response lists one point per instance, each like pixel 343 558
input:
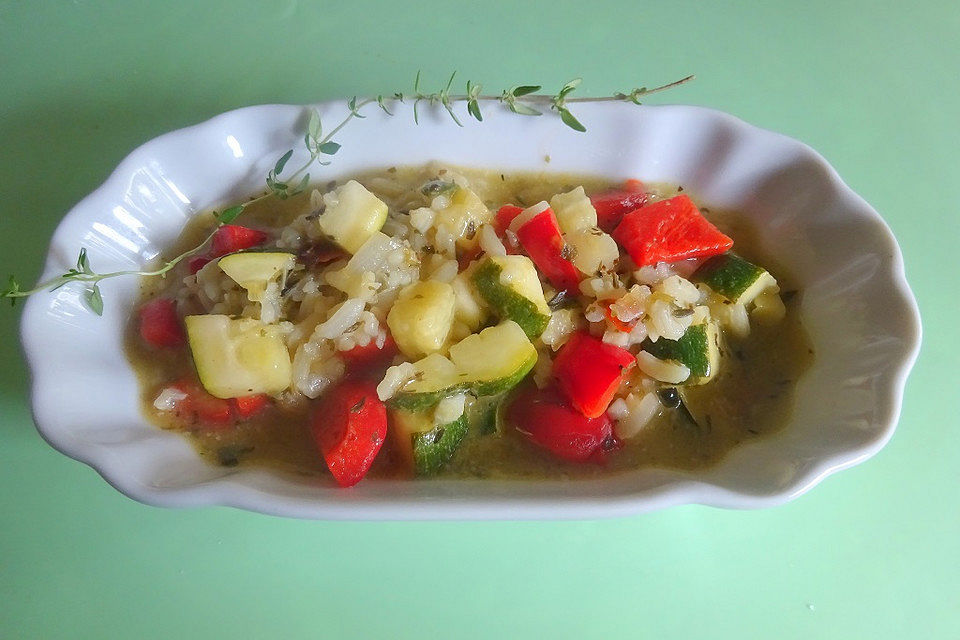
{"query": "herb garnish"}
pixel 522 99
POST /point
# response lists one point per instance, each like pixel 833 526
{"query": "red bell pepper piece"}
pixel 232 237
pixel 668 231
pixel 547 419
pixel 370 360
pixel 229 238
pixel 247 406
pixel 197 262
pixel 199 406
pixel 160 325
pixel 540 237
pixel 611 206
pixel 505 216
pixel 349 426
pixel 589 371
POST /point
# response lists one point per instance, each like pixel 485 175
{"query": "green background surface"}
pixel 871 553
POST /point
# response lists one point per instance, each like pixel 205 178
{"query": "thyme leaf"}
pixel 282 162
pixel 94 299
pixel 229 215
pixel 524 90
pixel 11 291
pixel 522 109
pixel 328 148
pixel 571 121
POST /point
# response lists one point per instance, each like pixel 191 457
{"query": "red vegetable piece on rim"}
pixel 589 371
pixel 611 206
pixel 541 239
pixel 668 231
pixel 232 237
pixel 349 426
pixel 160 325
pixel 547 419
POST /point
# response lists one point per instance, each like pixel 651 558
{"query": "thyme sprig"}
pixel 83 273
pixel 524 100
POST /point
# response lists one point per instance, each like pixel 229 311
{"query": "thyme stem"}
pixel 516 100
pixel 59 281
pixel 542 98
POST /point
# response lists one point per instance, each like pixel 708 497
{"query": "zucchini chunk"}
pixel 434 378
pixel 494 360
pixel 698 349
pixel 485 363
pixel 734 278
pixel 421 318
pixel 352 215
pixel 238 357
pixel 254 271
pixel 484 414
pixel 426 447
pixel 511 286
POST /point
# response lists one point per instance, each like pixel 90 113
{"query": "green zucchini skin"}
pixel 493 387
pixel 483 415
pixel 487 422
pixel 507 302
pixel 503 354
pixel 733 277
pixel 435 448
pixel 417 402
pixel 697 349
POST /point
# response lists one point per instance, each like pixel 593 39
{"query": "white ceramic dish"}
pixel 857 307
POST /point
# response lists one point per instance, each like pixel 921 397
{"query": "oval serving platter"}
pixel 859 312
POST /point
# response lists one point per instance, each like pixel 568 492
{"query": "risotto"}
pixel 436 320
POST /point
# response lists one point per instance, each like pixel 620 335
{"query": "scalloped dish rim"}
pixel 158 186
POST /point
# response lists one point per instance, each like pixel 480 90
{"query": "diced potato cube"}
pixel 421 318
pixel 352 215
pixel 464 216
pixel 594 250
pixel 574 210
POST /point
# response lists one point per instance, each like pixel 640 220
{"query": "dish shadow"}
pixel 56 151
